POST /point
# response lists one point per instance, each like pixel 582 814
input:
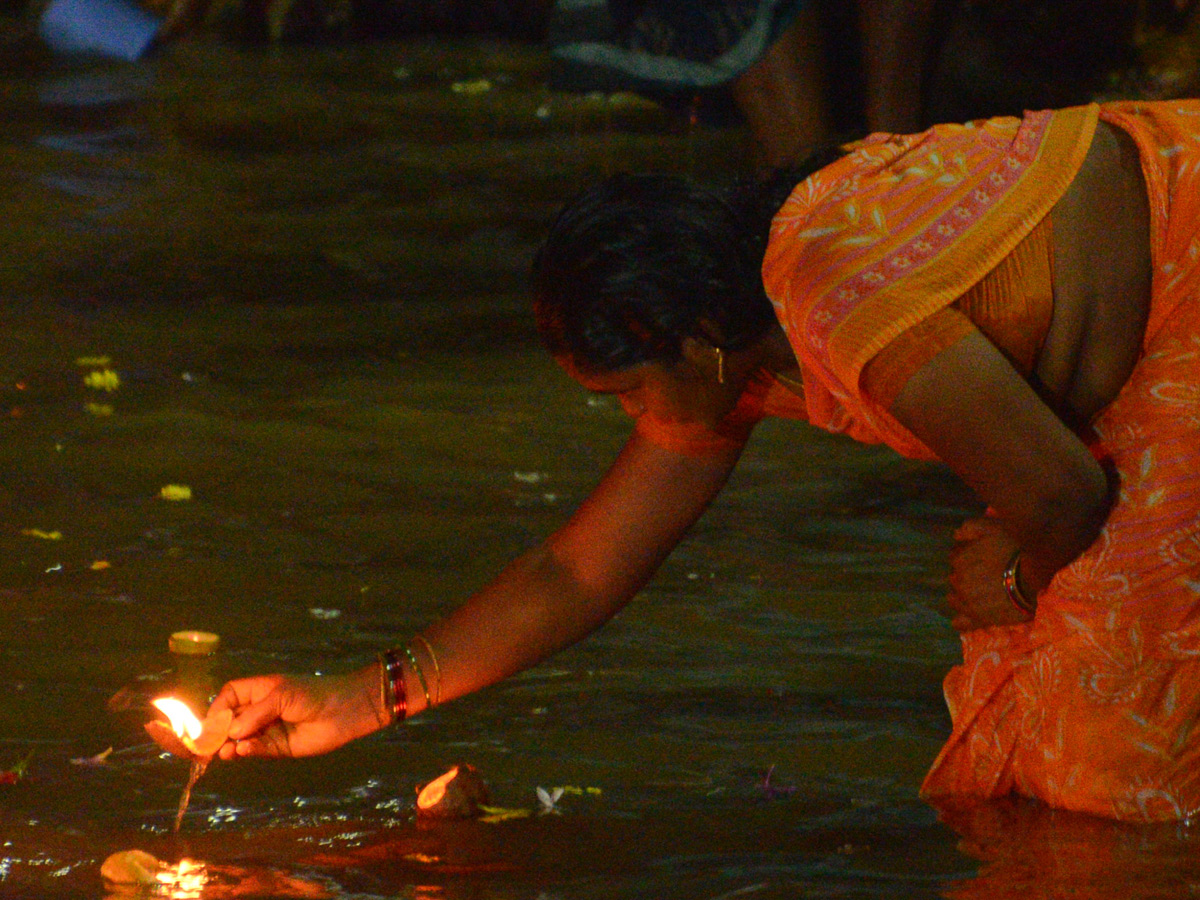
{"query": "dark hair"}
pixel 637 263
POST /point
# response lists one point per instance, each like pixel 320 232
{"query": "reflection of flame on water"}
pixel 183 720
pixel 184 881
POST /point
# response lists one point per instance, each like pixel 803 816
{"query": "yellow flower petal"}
pixel 477 86
pixel 102 380
pixel 43 535
pixel 492 814
pixel 175 492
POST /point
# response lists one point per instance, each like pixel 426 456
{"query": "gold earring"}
pixel 720 364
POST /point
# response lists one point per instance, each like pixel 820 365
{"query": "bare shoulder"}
pixel 1102 270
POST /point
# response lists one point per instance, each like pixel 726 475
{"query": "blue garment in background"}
pixel 663 46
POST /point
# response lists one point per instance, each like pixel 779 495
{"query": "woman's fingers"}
pixel 235 695
pixel 256 717
pixel 272 742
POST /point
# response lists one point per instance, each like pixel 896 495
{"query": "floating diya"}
pixel 185 879
pixel 458 794
pixel 188 737
pixel 132 867
pixel 183 734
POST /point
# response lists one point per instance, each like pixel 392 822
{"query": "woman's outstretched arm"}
pixel 556 594
pixel 544 601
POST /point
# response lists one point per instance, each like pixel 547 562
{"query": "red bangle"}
pixel 395 697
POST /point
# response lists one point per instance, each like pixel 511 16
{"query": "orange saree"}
pixel 1094 705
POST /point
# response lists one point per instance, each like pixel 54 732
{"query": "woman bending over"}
pixel 1014 297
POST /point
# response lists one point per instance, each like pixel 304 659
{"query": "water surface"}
pixel 293 281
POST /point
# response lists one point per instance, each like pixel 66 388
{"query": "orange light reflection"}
pixel 184 881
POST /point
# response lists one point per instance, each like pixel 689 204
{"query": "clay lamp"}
pixel 459 794
pixel 143 870
pixel 185 735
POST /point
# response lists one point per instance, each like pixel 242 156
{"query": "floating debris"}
pixel 17 771
pixel 99 759
pixel 42 535
pixel 458 794
pixel 102 380
pixel 774 792
pixel 549 799
pixel 472 88
pixel 493 814
pixel 175 492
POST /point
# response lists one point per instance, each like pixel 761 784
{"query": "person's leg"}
pixel 895 42
pixel 782 96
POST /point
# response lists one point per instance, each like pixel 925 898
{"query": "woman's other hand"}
pixel 1045 491
pixel 278 715
pixel 977 562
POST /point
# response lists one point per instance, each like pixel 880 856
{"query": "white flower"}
pixel 549 799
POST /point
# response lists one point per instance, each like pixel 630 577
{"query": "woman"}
pixel 1014 297
pixel 772 55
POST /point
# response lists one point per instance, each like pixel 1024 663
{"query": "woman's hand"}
pixel 977 594
pixel 278 715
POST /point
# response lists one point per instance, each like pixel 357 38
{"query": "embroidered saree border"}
pixel 904 225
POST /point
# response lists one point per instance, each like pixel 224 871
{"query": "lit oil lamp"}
pixel 189 738
pixel 138 869
pixel 185 735
pixel 459 794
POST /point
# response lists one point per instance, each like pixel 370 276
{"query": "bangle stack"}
pixel 1012 587
pixel 393 694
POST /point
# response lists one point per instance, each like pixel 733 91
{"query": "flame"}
pixel 184 881
pixel 183 720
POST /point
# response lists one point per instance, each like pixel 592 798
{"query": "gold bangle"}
pixel 1012 586
pixel 437 669
pixel 412 660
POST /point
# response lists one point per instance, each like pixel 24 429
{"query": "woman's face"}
pixel 681 393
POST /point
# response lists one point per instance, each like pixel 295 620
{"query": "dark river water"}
pixel 293 282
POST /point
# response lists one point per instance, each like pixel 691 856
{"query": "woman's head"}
pixel 638 263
